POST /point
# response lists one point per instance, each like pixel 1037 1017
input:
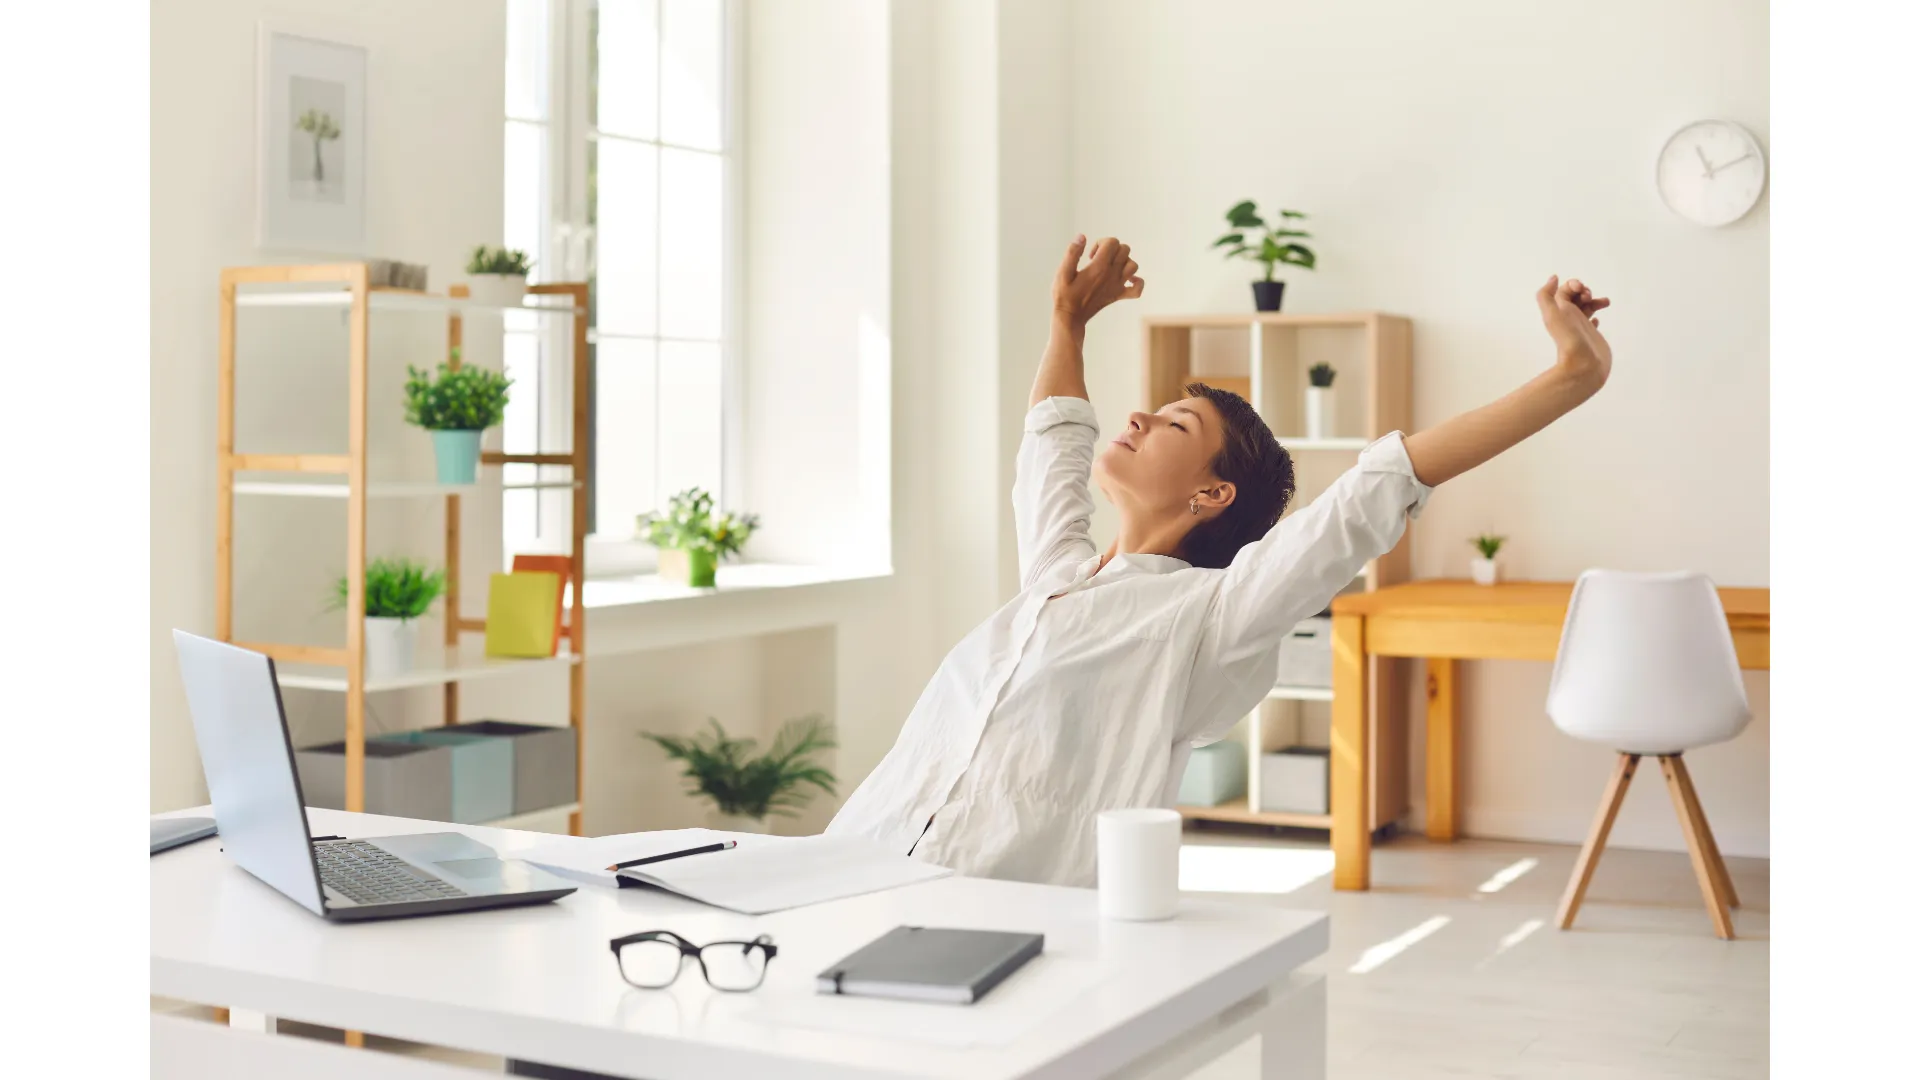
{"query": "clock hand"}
pixel 1704 163
pixel 1734 162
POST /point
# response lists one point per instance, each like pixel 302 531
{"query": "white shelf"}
pixel 431 669
pixel 393 300
pixel 379 489
pixel 1300 693
pixel 1292 443
pixel 533 818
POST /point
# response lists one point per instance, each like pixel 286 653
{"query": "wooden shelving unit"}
pixel 344 476
pixel 1264 357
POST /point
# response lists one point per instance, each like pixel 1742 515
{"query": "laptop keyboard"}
pixel 363 873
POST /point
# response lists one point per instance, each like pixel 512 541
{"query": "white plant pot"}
pixel 1485 571
pixel 1319 412
pixel 389 647
pixel 499 290
pixel 720 822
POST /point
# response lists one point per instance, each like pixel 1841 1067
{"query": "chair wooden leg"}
pixel 1597 838
pixel 1695 828
pixel 1714 861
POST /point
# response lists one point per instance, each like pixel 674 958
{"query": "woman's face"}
pixel 1162 459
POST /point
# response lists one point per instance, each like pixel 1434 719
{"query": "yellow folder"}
pixel 520 613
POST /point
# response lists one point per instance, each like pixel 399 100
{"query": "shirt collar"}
pixel 1128 563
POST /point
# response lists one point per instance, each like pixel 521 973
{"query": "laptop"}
pixel 241 725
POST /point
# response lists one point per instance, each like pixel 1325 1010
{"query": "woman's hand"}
pixel 1110 274
pixel 1580 369
pixel 1567 308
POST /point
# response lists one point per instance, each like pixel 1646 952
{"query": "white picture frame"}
pixel 310 158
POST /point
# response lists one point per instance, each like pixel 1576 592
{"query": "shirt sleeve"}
pixel 1052 504
pixel 1294 572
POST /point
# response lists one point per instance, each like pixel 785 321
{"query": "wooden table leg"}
pixel 1352 839
pixel 1442 764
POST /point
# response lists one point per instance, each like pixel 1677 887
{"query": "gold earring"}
pixel 1193 505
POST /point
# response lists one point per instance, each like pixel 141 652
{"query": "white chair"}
pixel 1647 666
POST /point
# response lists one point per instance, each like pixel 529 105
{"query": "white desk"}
pixel 539 983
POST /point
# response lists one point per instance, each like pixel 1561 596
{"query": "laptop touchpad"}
pixel 474 869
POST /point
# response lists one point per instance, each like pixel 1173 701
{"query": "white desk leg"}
pixel 248 1020
pixel 1293 1034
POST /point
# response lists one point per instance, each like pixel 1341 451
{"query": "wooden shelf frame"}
pixel 1275 369
pixel 359 298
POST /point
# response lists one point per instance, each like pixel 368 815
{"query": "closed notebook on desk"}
pixel 921 963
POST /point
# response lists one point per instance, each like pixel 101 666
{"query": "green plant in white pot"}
pixel 457 405
pixel 693 539
pixel 1320 400
pixel 398 592
pixel 1485 570
pixel 498 276
pixel 748 787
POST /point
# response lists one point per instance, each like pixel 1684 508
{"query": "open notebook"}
pixel 763 875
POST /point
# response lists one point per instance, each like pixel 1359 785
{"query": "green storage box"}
pixel 1216 773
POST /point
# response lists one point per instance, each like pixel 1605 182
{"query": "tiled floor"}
pixel 1450 966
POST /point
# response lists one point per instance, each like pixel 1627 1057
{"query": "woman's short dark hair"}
pixel 1261 473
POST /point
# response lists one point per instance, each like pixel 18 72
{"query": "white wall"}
pixel 1453 156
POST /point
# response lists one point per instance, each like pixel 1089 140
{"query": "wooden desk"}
pixel 1445 622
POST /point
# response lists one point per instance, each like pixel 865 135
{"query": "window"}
pixel 621 169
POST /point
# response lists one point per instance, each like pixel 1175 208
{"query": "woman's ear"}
pixel 1213 500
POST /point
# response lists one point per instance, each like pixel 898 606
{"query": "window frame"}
pixel 567 241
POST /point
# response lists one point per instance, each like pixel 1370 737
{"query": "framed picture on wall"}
pixel 312 144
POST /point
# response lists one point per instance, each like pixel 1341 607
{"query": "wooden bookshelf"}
pixel 1264 357
pixel 344 476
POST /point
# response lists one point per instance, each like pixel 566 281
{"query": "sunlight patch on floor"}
pixel 1274 871
pixel 1392 947
pixel 1508 876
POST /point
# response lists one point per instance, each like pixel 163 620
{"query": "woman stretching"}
pixel 1088 690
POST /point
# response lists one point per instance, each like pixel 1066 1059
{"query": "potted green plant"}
pixel 693 539
pixel 398 592
pixel 1320 401
pixel 498 276
pixel 1485 570
pixel 456 405
pixel 747 787
pixel 1270 246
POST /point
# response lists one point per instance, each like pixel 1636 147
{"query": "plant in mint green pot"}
pixel 693 539
pixel 456 405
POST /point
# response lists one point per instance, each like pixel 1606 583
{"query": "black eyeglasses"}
pixel 652 959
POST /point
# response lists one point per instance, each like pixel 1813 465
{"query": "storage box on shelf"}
pixel 1265 357
pixel 353 764
pixel 1215 774
pixel 482 771
pixel 1294 780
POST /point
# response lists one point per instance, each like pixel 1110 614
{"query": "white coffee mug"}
pixel 1139 864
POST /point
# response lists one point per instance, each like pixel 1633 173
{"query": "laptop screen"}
pixel 248 757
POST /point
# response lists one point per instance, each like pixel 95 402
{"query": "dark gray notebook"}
pixel 919 963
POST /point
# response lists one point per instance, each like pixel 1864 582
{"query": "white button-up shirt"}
pixel 1088 690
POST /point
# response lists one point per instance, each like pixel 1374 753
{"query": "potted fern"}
pixel 1270 245
pixel 456 405
pixel 748 787
pixel 398 592
pixel 498 276
pixel 1485 570
pixel 1320 401
pixel 692 539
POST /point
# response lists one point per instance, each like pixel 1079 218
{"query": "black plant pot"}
pixel 1266 295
